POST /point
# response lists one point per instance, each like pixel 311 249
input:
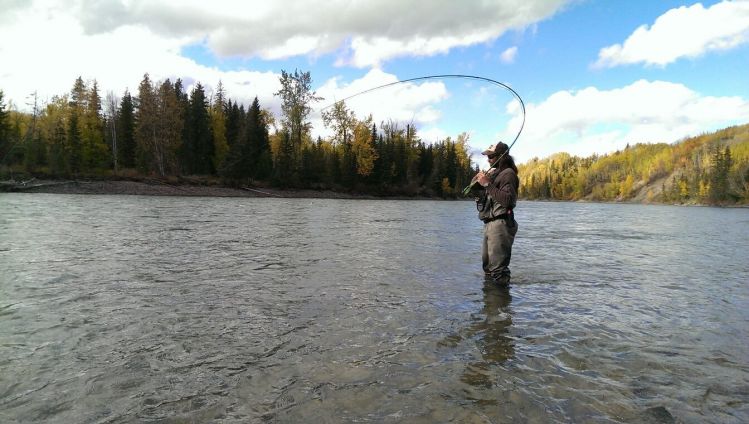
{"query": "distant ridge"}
pixel 709 169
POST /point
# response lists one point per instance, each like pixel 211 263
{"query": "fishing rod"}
pixel 447 76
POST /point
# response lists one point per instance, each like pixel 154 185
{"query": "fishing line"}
pixel 446 76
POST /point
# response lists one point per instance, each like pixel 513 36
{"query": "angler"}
pixel 496 193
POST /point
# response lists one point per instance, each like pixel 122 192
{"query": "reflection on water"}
pixel 118 309
pixel 491 330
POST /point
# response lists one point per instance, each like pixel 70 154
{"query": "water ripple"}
pixel 131 309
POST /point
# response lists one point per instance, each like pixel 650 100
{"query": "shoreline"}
pixel 154 187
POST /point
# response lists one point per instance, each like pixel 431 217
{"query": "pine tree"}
pixel 721 166
pixel 234 123
pixel 57 157
pixel 95 150
pixel 198 147
pixel 78 95
pixel 126 132
pixel 259 156
pixel 183 99
pixel 74 148
pixel 218 126
pixel 285 157
pixel 146 124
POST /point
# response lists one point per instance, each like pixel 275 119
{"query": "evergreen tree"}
pixel 721 165
pixel 74 148
pixel 95 150
pixel 451 163
pixel 126 132
pixel 33 149
pixel 281 175
pixel 259 156
pixel 198 146
pixel 426 162
pixel 183 100
pixel 234 123
pixel 78 95
pixel 57 157
pixel 218 126
pixel 146 125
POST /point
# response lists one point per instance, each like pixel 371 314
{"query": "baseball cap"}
pixel 496 149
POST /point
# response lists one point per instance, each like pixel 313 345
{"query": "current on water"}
pixel 119 309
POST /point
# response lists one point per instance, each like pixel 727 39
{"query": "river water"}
pixel 121 309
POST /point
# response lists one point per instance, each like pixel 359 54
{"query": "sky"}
pixel 594 75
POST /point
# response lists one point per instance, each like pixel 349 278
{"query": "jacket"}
pixel 499 197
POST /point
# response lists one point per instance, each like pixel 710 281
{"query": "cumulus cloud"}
pixel 48 61
pixel 508 56
pixel 410 102
pixel 682 32
pixel 366 32
pixel 597 121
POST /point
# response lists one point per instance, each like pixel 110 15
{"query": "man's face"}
pixel 492 159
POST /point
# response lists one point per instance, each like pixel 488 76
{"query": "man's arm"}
pixel 503 190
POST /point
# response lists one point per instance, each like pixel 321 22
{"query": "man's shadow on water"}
pixel 490 329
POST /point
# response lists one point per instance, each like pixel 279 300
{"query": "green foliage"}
pixel 4 129
pixel 217 112
pixel 249 155
pixel 198 148
pixel 710 168
pixel 126 132
pixel 296 98
pixel 74 147
pixel 167 132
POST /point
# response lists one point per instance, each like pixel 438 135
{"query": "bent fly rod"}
pixel 447 76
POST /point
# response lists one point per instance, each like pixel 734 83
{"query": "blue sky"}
pixel 595 75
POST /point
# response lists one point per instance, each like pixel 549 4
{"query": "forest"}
pixel 708 169
pixel 164 131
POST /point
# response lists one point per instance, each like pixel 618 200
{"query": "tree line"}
pixel 167 131
pixel 708 169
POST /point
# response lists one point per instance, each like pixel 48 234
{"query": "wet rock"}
pixel 659 414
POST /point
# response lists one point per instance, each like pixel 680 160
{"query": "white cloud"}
pixel 402 103
pixel 595 121
pixel 405 102
pixel 433 134
pixel 48 61
pixel 368 32
pixel 508 56
pixel 682 32
pixel 117 41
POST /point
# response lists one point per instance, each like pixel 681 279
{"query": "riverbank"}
pixel 200 188
pixel 156 187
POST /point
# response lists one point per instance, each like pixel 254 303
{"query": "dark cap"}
pixel 496 149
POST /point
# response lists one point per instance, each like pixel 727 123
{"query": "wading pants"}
pixel 497 247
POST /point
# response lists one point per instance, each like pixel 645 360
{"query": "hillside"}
pixel 707 169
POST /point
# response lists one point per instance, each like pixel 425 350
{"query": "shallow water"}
pixel 168 309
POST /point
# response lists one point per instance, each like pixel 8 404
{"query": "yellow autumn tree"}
pixel 363 147
pixel 625 189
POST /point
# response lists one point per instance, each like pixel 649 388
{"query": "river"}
pixel 118 309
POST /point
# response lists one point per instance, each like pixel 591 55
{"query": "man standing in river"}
pixel 495 204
